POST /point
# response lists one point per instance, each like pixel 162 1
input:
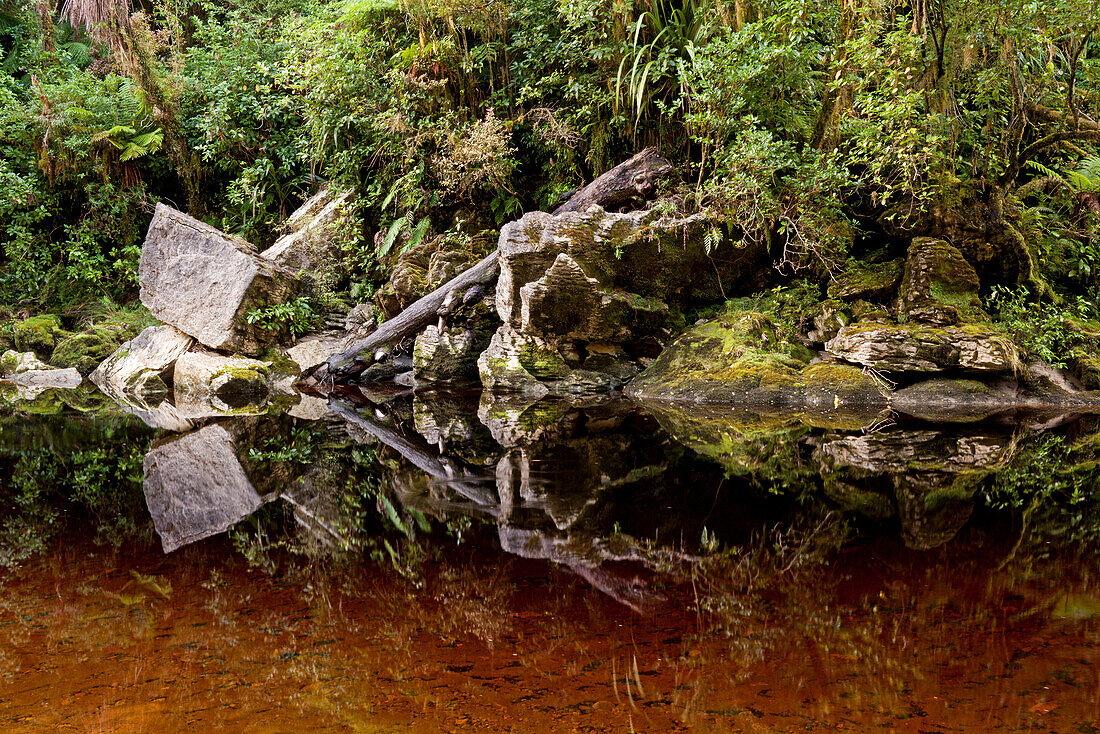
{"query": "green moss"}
pixel 38 334
pixel 862 280
pixel 86 350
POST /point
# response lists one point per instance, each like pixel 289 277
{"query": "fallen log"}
pixel 633 178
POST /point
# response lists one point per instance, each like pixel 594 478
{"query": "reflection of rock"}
pixel 933 475
pixel 31 377
pixel 594 561
pixel 195 487
pixel 933 506
pixel 138 364
pixel 903 451
pixel 515 420
pixel 203 282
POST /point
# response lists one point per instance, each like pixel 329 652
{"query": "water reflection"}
pixel 462 560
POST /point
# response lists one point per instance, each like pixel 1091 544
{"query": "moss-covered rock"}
pixel 940 286
pixel 86 350
pixel 831 386
pixel 38 334
pixel 862 280
pixel 733 359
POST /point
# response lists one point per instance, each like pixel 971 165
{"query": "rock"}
pixel 362 319
pixel 933 506
pixel 830 387
pixel 449 355
pixel 939 287
pixel 204 283
pixel 823 322
pixel 47 378
pixel 955 400
pixel 638 252
pixel 729 360
pixel 232 379
pixel 311 351
pixel 310 408
pixel 915 348
pixel 315 233
pixel 138 364
pixel 86 350
pixel 38 334
pixel 195 487
pixel 515 362
pixel 565 302
pixel 867 280
pixel 14 363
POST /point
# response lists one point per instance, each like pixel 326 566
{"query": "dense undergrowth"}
pixel 823 131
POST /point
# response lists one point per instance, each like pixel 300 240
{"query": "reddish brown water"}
pixel 878 639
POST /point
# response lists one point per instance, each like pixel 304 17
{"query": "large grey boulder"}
pixel 195 487
pixel 204 282
pixel 916 348
pixel 315 232
pixel 137 364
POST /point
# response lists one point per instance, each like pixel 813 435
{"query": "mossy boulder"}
pixel 86 350
pixel 939 286
pixel 232 379
pixel 734 359
pixel 38 334
pixel 832 386
pixel 867 281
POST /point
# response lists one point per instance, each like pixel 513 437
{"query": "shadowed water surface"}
pixel 444 562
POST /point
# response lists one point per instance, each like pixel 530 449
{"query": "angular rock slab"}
pixel 148 355
pixel 565 302
pixel 317 230
pixel 195 487
pixel 449 355
pixel 201 281
pixel 915 348
pixel 637 252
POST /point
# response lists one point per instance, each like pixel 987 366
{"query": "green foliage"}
pixel 293 318
pixel 1046 331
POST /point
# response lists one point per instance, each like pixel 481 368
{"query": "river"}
pixel 388 561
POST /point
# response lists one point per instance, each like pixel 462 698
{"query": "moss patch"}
pixel 38 334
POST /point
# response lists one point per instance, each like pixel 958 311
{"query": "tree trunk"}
pixel 636 177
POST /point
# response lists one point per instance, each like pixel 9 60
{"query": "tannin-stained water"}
pixel 436 563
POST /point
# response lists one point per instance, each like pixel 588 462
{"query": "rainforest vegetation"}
pixel 823 131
